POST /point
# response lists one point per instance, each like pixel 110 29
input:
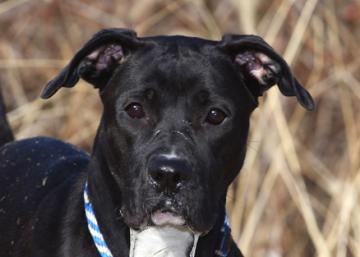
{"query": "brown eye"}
pixel 215 116
pixel 135 111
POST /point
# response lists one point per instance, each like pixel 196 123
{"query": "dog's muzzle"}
pixel 168 174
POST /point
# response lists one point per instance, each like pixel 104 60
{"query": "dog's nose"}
pixel 168 174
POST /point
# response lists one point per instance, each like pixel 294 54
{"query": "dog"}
pixel 171 139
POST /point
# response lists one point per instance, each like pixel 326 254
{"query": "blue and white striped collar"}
pixel 104 250
pixel 93 226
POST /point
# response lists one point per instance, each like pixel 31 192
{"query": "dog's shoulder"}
pixel 30 169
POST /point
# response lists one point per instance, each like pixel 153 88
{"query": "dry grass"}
pixel 299 191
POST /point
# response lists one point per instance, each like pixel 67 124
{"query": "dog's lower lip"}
pixel 163 217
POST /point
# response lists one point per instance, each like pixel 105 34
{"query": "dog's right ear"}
pixel 262 68
pixel 96 61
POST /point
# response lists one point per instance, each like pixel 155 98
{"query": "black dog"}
pixel 171 139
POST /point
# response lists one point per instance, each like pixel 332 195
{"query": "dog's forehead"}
pixel 178 68
pixel 180 63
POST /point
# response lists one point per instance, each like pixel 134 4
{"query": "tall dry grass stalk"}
pixel 298 192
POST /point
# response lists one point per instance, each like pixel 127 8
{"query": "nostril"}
pixel 177 178
pixel 156 175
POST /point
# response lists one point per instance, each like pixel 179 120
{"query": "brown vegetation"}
pixel 299 191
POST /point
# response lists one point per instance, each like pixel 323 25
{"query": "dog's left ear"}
pixel 96 60
pixel 262 67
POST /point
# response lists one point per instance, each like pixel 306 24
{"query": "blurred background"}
pixel 298 193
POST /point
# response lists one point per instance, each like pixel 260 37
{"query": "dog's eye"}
pixel 135 111
pixel 215 116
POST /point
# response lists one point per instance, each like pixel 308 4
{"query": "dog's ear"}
pixel 96 60
pixel 262 67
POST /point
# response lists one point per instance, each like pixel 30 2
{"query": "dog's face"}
pixel 176 117
pixel 175 132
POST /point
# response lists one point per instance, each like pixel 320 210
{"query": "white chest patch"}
pixel 163 241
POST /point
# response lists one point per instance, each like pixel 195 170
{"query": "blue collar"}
pixel 104 250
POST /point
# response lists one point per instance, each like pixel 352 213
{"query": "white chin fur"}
pixel 163 241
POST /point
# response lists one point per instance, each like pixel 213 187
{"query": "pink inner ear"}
pixel 259 66
pixel 106 56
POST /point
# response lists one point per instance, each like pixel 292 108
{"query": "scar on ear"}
pixel 259 66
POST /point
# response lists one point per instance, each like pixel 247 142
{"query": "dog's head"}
pixel 176 117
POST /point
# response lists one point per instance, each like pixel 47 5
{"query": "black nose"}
pixel 168 174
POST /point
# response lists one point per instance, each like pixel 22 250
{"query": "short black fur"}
pixel 176 82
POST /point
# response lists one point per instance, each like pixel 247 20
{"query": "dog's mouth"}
pixel 163 213
pixel 167 217
pixel 164 210
pixel 168 211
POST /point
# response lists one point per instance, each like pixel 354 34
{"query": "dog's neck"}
pixel 105 197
